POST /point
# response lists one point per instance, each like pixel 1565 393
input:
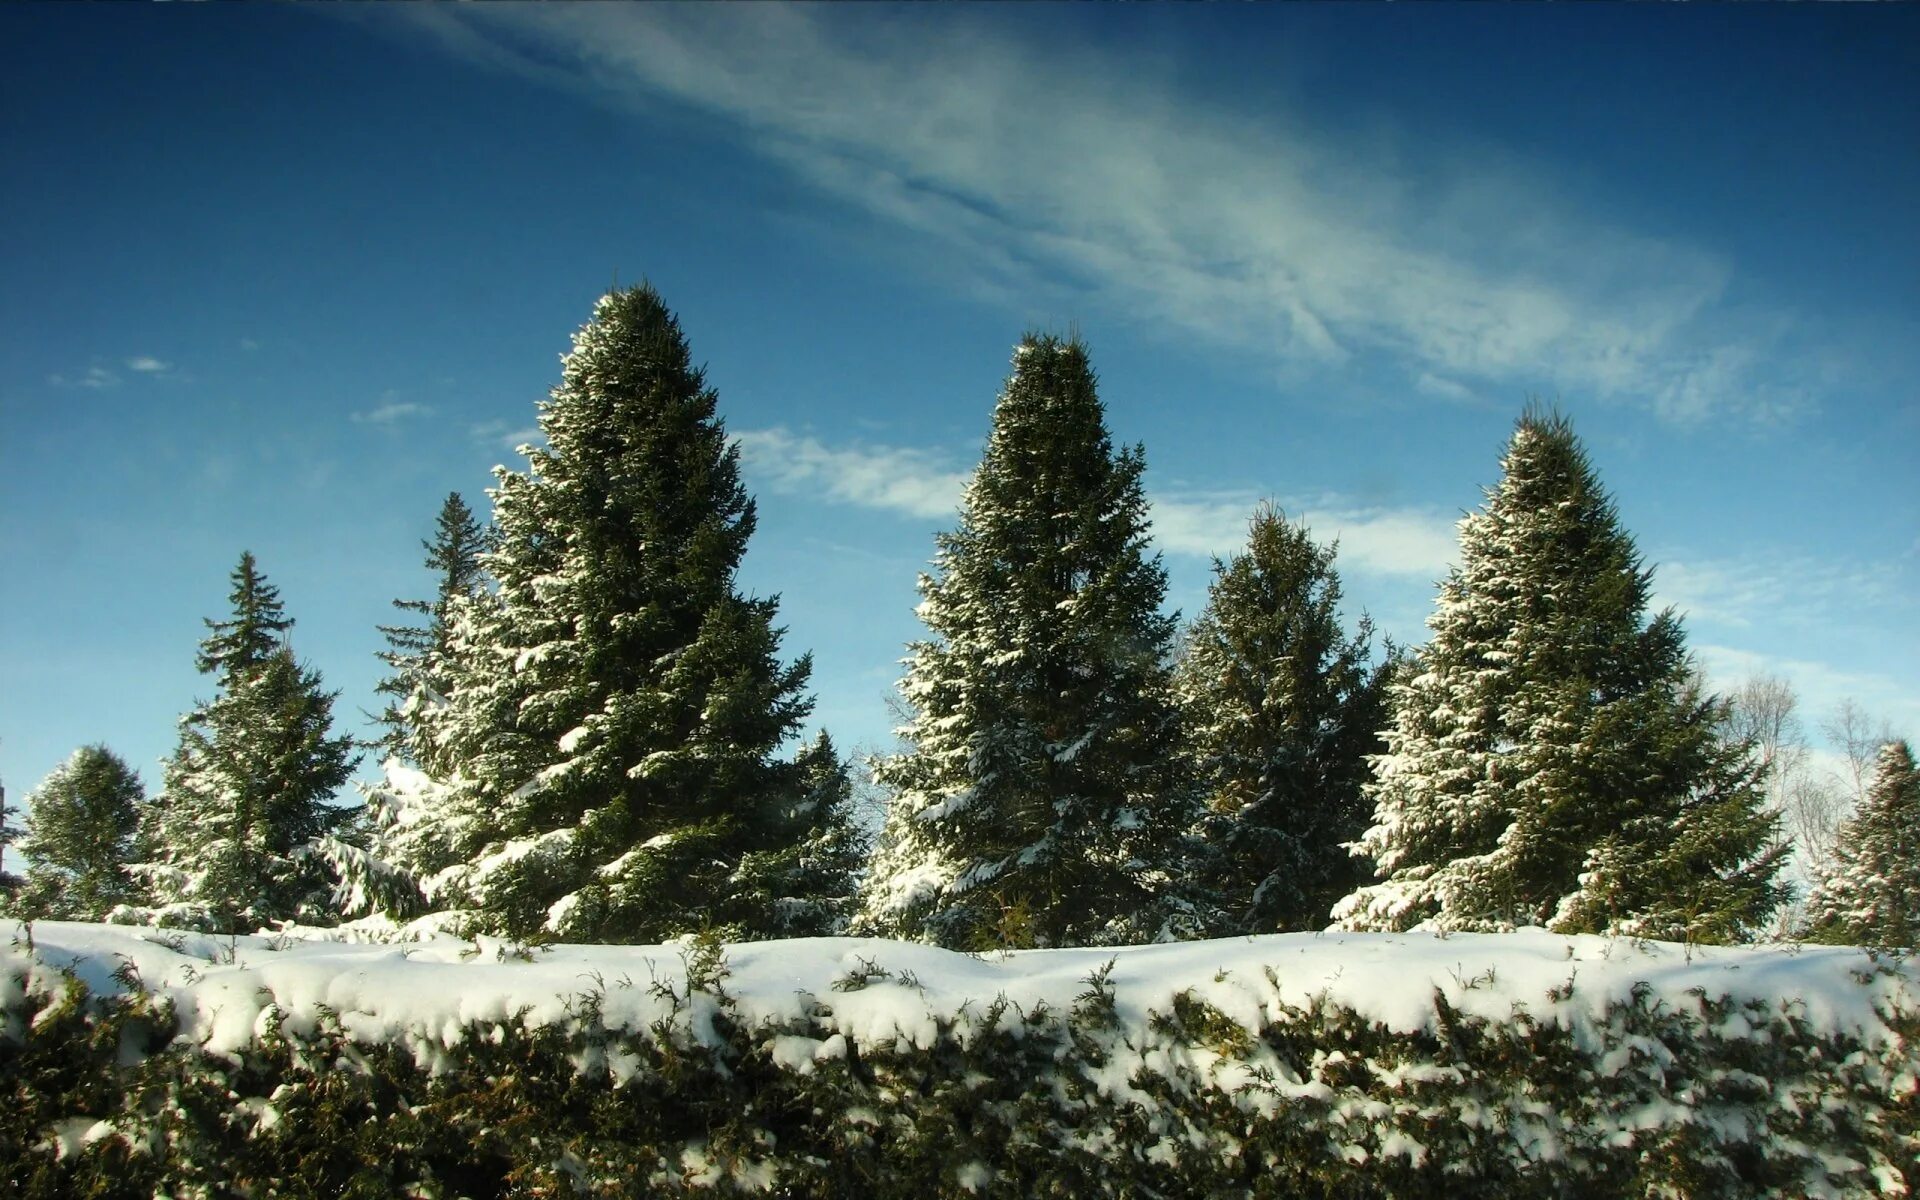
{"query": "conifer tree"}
pixel 80 830
pixel 604 767
pixel 249 791
pixel 417 653
pixel 1040 801
pixel 805 885
pixel 1551 761
pixel 1283 709
pixel 1869 891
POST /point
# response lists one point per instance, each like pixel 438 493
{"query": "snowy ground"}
pixel 423 993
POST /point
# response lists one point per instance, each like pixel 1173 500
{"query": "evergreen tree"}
pixel 417 653
pixel 1869 892
pixel 1282 712
pixel 80 831
pixel 249 791
pixel 1041 801
pixel 805 886
pixel 1550 760
pixel 604 766
pixel 235 648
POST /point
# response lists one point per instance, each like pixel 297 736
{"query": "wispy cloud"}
pixel 504 436
pixel 924 484
pixel 99 378
pixel 914 483
pixel 391 412
pixel 1463 268
pixel 1374 539
pixel 1772 590
pixel 95 377
pixel 1444 388
pixel 1820 687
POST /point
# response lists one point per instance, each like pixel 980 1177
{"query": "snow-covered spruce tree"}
pixel 805 885
pixel 1551 761
pixel 604 768
pixel 1869 890
pixel 404 836
pixel 249 794
pixel 416 653
pixel 80 830
pixel 1042 799
pixel 1283 709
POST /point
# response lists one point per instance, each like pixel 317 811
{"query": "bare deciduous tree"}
pixel 1858 736
pixel 1812 802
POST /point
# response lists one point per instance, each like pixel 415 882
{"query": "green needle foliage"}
pixel 1283 709
pixel 602 766
pixel 80 834
pixel 1042 800
pixel 250 791
pixel 1551 760
pixel 1870 893
pixel 416 654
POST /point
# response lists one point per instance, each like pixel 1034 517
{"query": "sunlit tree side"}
pixel 1550 759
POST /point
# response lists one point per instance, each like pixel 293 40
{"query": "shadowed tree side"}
pixel 1283 709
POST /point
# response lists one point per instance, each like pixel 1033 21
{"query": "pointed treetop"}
pixel 453 553
pixel 257 630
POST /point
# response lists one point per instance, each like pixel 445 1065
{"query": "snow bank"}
pixel 1365 1064
pixel 221 985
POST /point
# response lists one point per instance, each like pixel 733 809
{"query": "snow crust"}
pixel 421 994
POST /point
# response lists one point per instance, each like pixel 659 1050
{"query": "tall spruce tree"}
pixel 1041 801
pixel 604 767
pixel 250 790
pixel 1868 892
pixel 80 834
pixel 1283 710
pixel 1550 760
pixel 416 654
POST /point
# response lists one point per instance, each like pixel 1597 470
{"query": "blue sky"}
pixel 280 278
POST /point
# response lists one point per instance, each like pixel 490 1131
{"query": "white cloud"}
pixel 1048 177
pixel 920 483
pixel 914 483
pixel 99 378
pixel 1373 539
pixel 505 436
pixel 391 412
pixel 95 377
pixel 1772 589
pixel 1445 389
pixel 1819 686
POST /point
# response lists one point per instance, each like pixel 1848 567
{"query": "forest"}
pixel 589 733
pixel 605 924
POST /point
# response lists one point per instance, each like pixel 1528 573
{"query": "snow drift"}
pixel 1514 1064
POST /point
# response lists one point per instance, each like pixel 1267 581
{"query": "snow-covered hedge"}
pixel 143 1062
